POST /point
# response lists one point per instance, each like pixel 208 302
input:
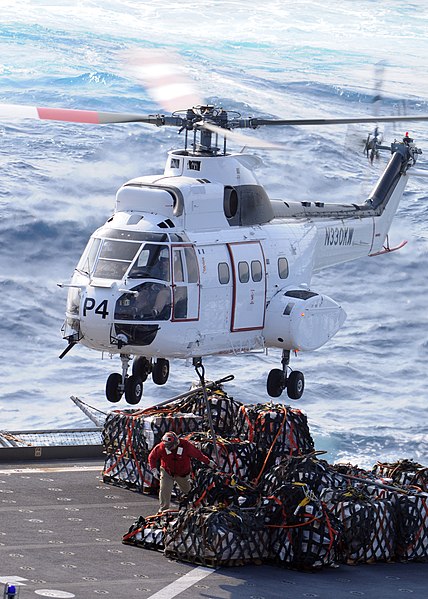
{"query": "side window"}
pixel 178 266
pixel 256 271
pixel 283 268
pixel 223 273
pixel 243 272
pixel 151 263
pixel 192 265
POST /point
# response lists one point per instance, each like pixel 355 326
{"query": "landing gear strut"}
pixel 118 384
pixel 279 379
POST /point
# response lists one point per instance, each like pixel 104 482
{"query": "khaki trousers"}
pixel 166 485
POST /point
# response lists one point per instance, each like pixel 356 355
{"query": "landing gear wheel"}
pixel 141 367
pixel 113 387
pixel 295 384
pixel 276 382
pixel 160 372
pixel 133 389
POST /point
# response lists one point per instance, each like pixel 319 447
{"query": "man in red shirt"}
pixel 170 461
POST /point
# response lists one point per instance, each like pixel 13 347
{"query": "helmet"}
pixel 170 440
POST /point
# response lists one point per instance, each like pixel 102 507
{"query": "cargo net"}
pixel 412 528
pixel 317 474
pixel 217 537
pixel 277 431
pixel 126 453
pixel 305 535
pixel 369 525
pixel 149 532
pixel 214 488
pixel 403 472
pixel 235 456
pixel 224 411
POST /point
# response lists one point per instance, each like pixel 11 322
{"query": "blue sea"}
pixel 366 393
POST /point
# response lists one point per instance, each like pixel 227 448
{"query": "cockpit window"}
pixel 87 261
pixel 151 263
pixel 115 258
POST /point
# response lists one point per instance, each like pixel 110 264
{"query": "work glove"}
pixel 155 473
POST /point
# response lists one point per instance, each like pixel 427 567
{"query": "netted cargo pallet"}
pixel 412 527
pixel 126 453
pixel 211 487
pixel 217 537
pixel 224 410
pixel 277 430
pixel 235 455
pixel 403 472
pixel 124 470
pixel 128 436
pixel 317 474
pixel 308 535
pixel 149 532
pixel 369 525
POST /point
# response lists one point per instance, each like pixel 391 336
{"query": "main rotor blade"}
pixel 240 138
pixel 18 111
pixel 164 76
pixel 254 122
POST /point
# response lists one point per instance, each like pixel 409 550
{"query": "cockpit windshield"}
pixel 152 263
pixel 115 258
pixel 111 253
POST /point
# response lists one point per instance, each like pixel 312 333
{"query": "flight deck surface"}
pixel 60 536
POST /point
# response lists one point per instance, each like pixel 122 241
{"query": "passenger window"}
pixel 243 272
pixel 283 268
pixel 223 273
pixel 256 271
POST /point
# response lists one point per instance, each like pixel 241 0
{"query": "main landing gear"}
pixel 118 384
pixel 280 379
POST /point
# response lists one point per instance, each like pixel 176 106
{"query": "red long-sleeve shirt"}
pixel 177 461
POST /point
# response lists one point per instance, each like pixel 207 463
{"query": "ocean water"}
pixel 366 394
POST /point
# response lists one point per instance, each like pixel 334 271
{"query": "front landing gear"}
pixel 279 379
pixel 118 384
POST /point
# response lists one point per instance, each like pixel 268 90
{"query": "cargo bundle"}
pixel 277 430
pixel 235 456
pixel 217 537
pixel 403 472
pixel 369 525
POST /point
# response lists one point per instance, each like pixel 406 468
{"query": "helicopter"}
pixel 199 261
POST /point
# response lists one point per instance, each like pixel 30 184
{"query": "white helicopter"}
pixel 198 261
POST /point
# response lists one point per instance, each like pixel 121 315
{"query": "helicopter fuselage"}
pixel 199 261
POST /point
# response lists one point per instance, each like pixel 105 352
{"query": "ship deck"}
pixel 60 536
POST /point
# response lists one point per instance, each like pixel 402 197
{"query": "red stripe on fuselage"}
pixel 72 116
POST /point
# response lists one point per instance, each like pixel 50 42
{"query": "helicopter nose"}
pixel 95 316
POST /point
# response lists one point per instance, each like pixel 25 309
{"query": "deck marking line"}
pixel 183 583
pixel 16 580
pixel 39 469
